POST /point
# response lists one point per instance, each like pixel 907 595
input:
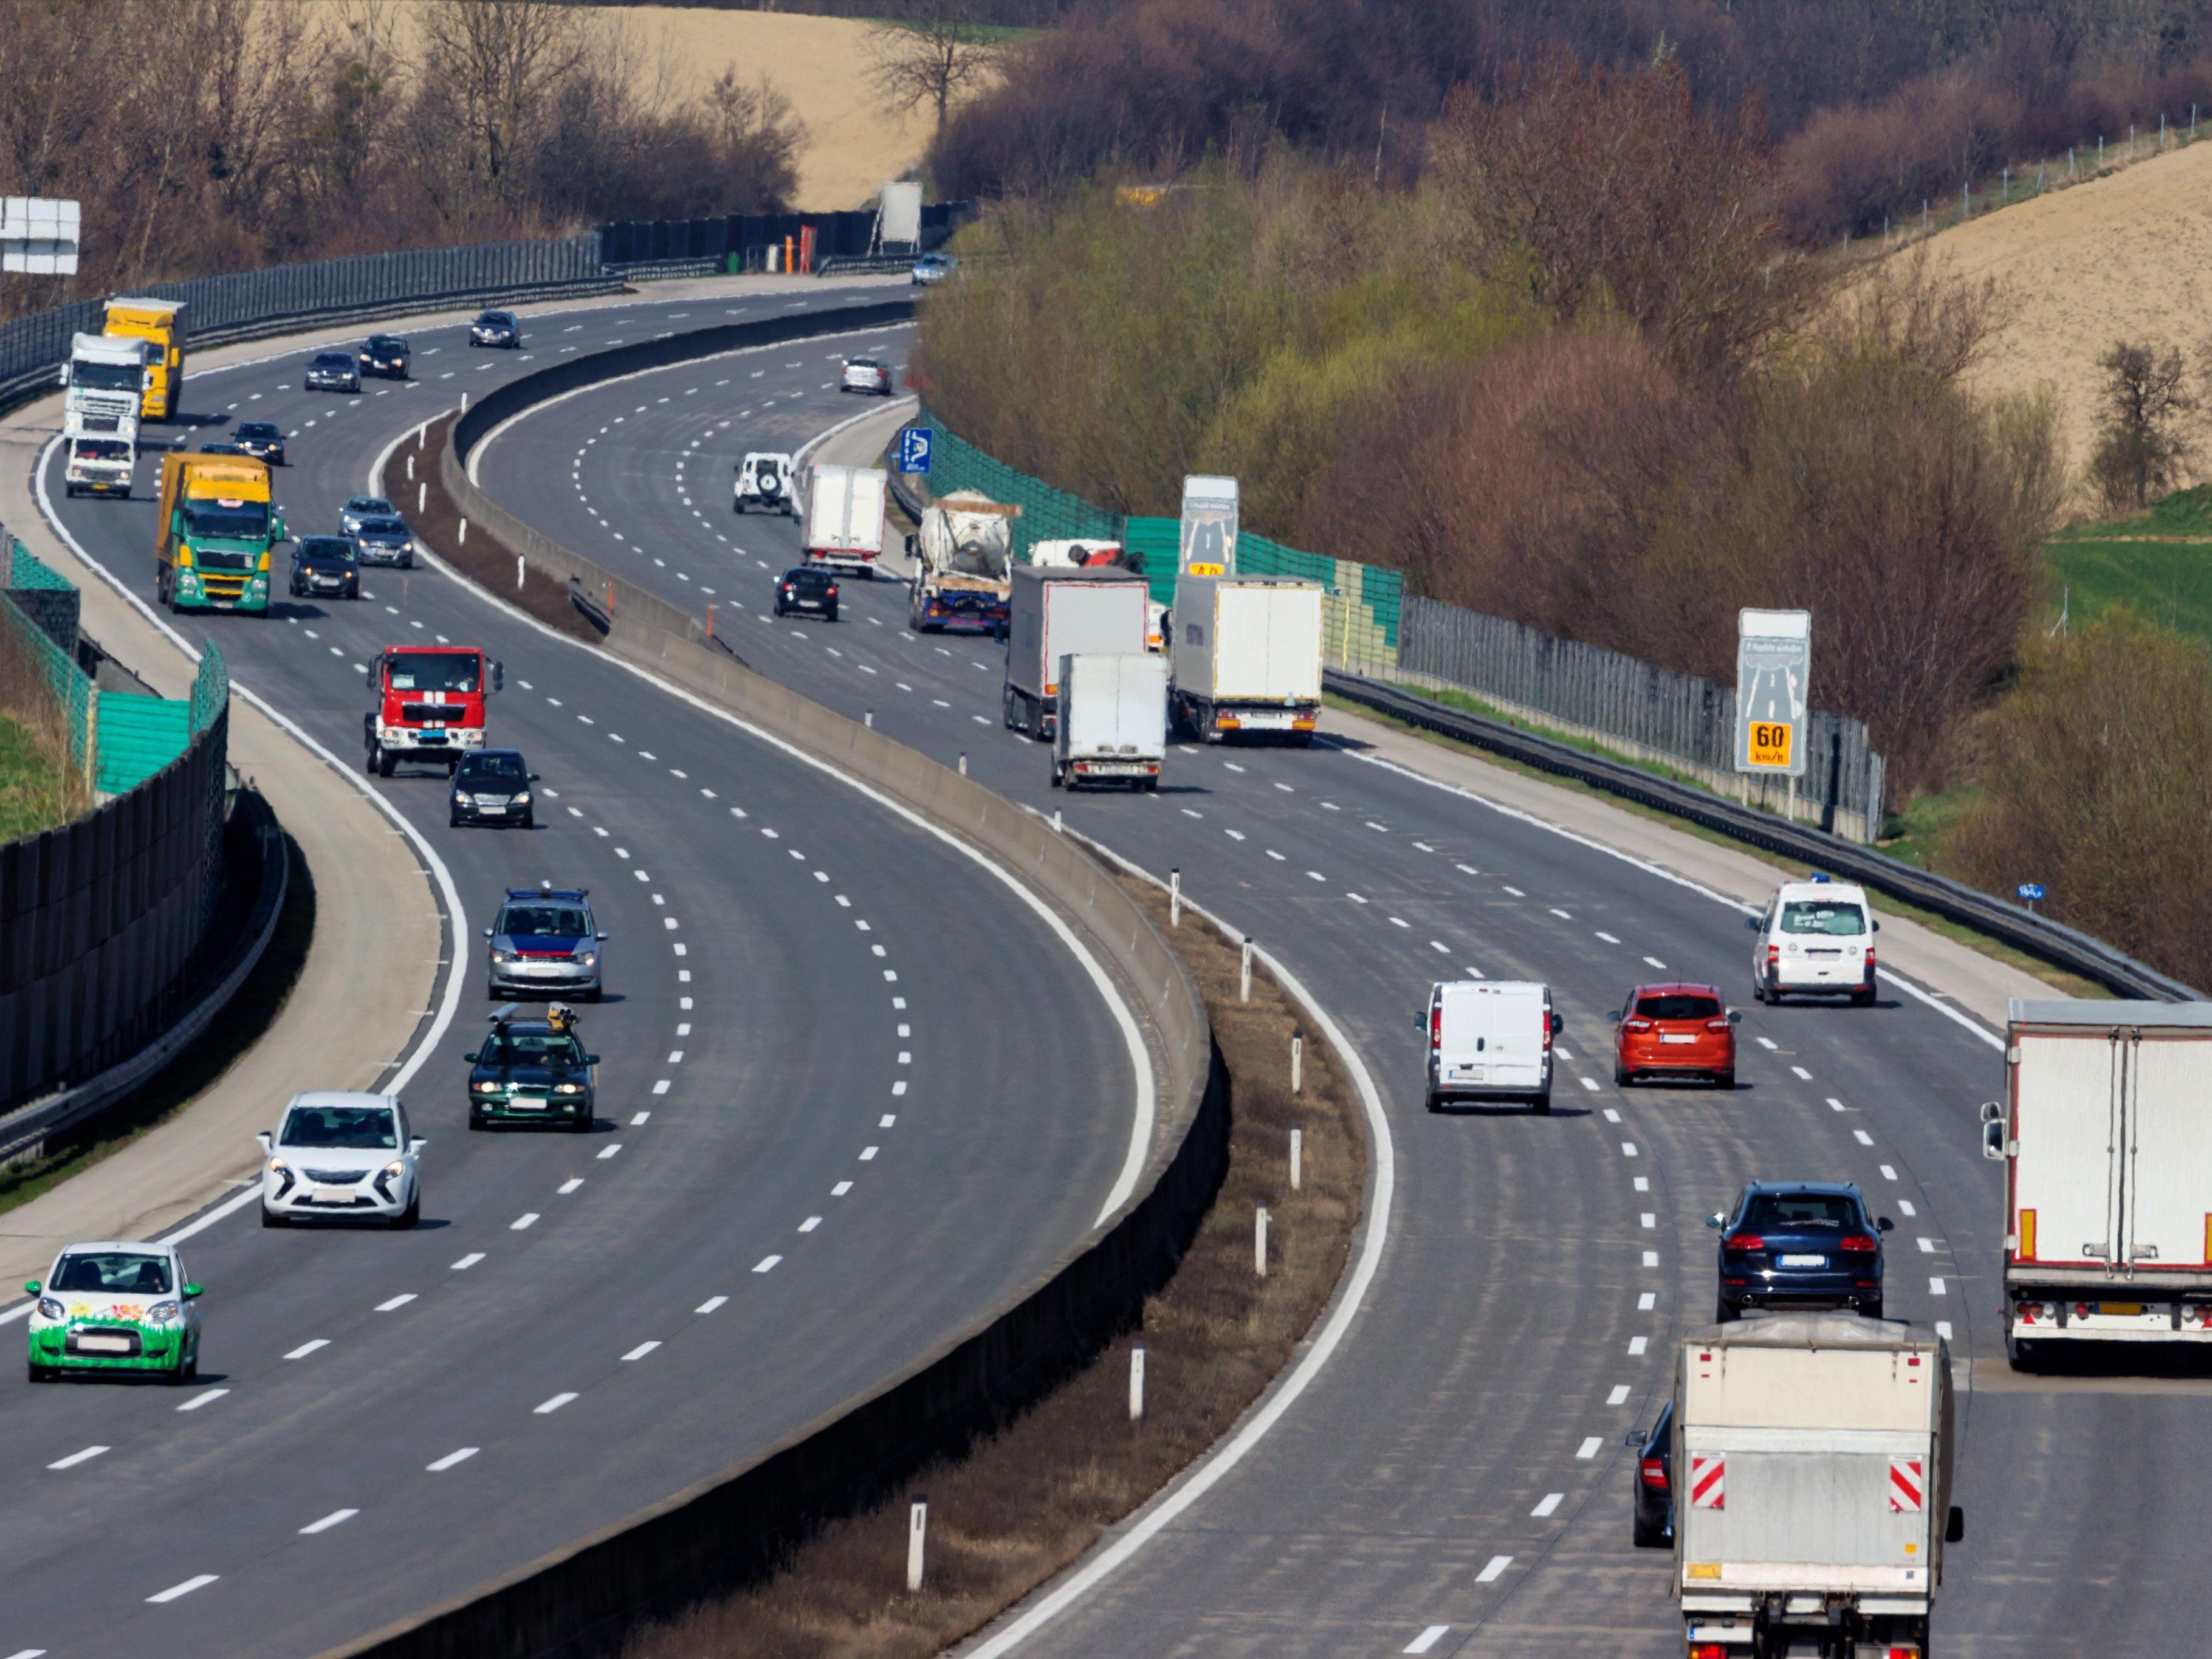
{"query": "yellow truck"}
pixel 217 532
pixel 162 322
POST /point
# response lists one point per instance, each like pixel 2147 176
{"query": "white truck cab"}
pixel 1815 938
pixel 764 482
pixel 1490 1040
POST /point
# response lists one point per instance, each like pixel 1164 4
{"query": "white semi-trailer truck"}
pixel 1812 1477
pixel 1246 657
pixel 2105 1134
pixel 1057 612
pixel 845 517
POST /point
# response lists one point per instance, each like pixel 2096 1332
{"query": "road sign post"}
pixel 914 443
pixel 1773 694
pixel 1208 545
pixel 2029 892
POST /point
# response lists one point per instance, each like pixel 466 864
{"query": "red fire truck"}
pixel 430 705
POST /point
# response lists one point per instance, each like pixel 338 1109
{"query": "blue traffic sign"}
pixel 2030 891
pixel 913 445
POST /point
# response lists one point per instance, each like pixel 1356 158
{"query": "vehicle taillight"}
pixel 1857 1244
pixel 1653 1472
pixel 1773 955
pixel 1547 1032
pixel 1436 1026
pixel 832 590
pixel 1720 1024
pixel 1636 1026
pixel 1903 1653
pixel 1708 1650
pixel 1744 1242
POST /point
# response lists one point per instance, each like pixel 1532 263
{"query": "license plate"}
pixel 1113 767
pixel 491 809
pixel 332 1194
pixel 1265 721
pixel 1803 1261
pixel 1669 1037
pixel 104 1344
pixel 1469 1073
pixel 2119 1307
pixel 519 1105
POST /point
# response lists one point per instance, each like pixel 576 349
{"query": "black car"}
pixel 1654 1482
pixel 264 439
pixel 384 538
pixel 1800 1245
pixel 384 355
pixel 224 449
pixel 325 564
pixel 532 1071
pixel 333 371
pixel 806 587
pixel 496 328
pixel 492 786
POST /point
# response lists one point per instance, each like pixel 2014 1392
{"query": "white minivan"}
pixel 1815 938
pixel 1490 1040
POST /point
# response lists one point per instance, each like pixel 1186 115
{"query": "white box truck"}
pixel 1112 725
pixel 104 383
pixel 1490 1039
pixel 845 517
pixel 1057 612
pixel 1246 656
pixel 1812 1477
pixel 2106 1136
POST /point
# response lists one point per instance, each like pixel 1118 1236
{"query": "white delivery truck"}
pixel 2106 1137
pixel 1811 1476
pixel 1490 1039
pixel 1059 612
pixel 845 517
pixel 1247 656
pixel 1112 725
pixel 99 462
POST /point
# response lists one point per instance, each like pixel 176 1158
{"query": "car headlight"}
pixel 278 1166
pixel 487 1088
pixel 50 1308
pixel 568 1088
pixel 522 799
pixel 395 1168
pixel 588 958
pixel 504 956
pixel 163 1313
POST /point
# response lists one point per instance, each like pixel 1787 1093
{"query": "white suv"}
pixel 342 1155
pixel 1815 938
pixel 866 375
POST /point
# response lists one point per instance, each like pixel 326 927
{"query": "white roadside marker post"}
pixel 1259 1241
pixel 465 532
pixel 1298 1159
pixel 517 573
pixel 1137 1383
pixel 917 1527
pixel 1175 897
pixel 421 490
pixel 1244 974
pixel 1297 1062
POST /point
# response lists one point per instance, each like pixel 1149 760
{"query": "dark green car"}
pixel 532 1071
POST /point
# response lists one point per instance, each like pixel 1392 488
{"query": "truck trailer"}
pixel 162 324
pixel 1246 656
pixel 962 556
pixel 1058 612
pixel 1812 1462
pixel 1113 725
pixel 2107 1148
pixel 845 517
pixel 216 529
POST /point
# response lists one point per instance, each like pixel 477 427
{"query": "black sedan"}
pixel 492 786
pixel 532 1071
pixel 496 328
pixel 325 564
pixel 384 538
pixel 1800 1245
pixel 1654 1481
pixel 384 355
pixel 333 371
pixel 808 588
pixel 263 440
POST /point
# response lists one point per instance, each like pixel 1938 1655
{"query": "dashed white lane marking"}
pixel 546 1408
pixel 1649 1220
pixel 336 1517
pixel 1767 1043
pixel 1656 962
pixel 868 1154
pixel 1611 1116
pixel 1618 1396
pixel 77 1458
pixel 1636 1344
pixel 809 1223
pixel 841 1189
pixel 1591 1084
pixel 1547 1505
pixel 1647 1302
pixel 1516 892
pixel 1905 1207
pixel 307 1348
pixel 528 1219
pixel 1643 1183
pixel 1651 1258
pixel 1943 1329
pixel 639 1351
pixel 1466 869
pixel 710 1305
pixel 766 1264
pixel 1935 1287
pixel 1588 1449
pixel 1492 1568
pixel 569 1185
pixel 399 1301
pixel 1560 914
pixel 1427 1639
pixel 450 1458
pixel 468 1262
pixel 1803 1075
pixel 199 1581
pixel 1927 1246
pixel 609 1152
pixel 1863 1137
pixel 661 1087
pixel 1834 1104
pixel 1628 1149
pixel 1888 1174
pixel 1608 938
pixel 638 1120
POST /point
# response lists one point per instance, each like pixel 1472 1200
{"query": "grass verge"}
pixel 2159 563
pixel 1021 1506
pixel 34 787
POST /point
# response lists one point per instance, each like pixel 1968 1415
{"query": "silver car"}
pixel 543 942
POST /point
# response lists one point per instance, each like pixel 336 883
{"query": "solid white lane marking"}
pixel 336 1517
pixel 398 1300
pixel 199 1582
pixel 1863 1137
pixel 548 1408
pixel 200 1400
pixel 1618 1396
pixel 766 1264
pixel 468 1262
pixel 639 1351
pixel 710 1305
pixel 1427 1639
pixel 1588 1449
pixel 528 1218
pixel 450 1458
pixel 307 1348
pixel 77 1458
pixel 1547 1505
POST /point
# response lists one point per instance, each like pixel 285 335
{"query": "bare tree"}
pixel 938 50
pixel 2142 446
pixel 501 62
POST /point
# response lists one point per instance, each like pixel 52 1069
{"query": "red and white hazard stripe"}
pixel 1707 1488
pixel 1907 1486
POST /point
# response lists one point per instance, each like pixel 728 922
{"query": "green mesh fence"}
pixel 210 687
pixel 26 642
pixel 1160 543
pixel 1047 515
pixel 24 569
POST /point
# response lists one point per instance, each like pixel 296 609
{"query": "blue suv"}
pixel 1800 1245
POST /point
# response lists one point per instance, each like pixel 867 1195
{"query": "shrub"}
pixel 2141 444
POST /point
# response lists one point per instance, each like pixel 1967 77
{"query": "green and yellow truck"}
pixel 217 531
pixel 161 321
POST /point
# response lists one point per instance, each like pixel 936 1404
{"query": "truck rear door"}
pixel 2169 1144
pixel 1469 1018
pixel 2066 1181
pixel 1773 1506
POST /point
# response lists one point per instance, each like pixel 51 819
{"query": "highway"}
pixel 1454 1482
pixel 819 1150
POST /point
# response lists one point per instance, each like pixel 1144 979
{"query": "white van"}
pixel 1490 1040
pixel 1815 938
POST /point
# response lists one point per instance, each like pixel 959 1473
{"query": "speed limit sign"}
pixel 1773 689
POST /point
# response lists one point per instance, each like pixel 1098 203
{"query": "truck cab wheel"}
pixel 370 762
pixel 385 760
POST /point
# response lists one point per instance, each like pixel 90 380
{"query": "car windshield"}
pixel 863 363
pixel 332 360
pixel 1678 1005
pixel 807 578
pixel 386 344
pixel 493 768
pixel 1782 1211
pixel 433 670
pixel 543 921
pixel 314 548
pixel 383 526
pixel 1823 916
pixel 257 430
pixel 368 504
pixel 224 518
pixel 531 1048
pixel 494 320
pixel 107 377
pixel 366 1128
pixel 120 1272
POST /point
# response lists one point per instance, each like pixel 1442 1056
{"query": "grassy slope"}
pixel 30 785
pixel 2160 563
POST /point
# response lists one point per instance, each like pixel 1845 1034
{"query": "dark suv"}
pixel 1800 1245
pixel 263 440
pixel 496 328
pixel 806 587
pixel 1654 1479
pixel 492 786
pixel 384 355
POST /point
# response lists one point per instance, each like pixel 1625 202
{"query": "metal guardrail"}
pixel 2050 941
pixel 847 264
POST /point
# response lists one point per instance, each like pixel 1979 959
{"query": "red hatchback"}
pixel 1674 1031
